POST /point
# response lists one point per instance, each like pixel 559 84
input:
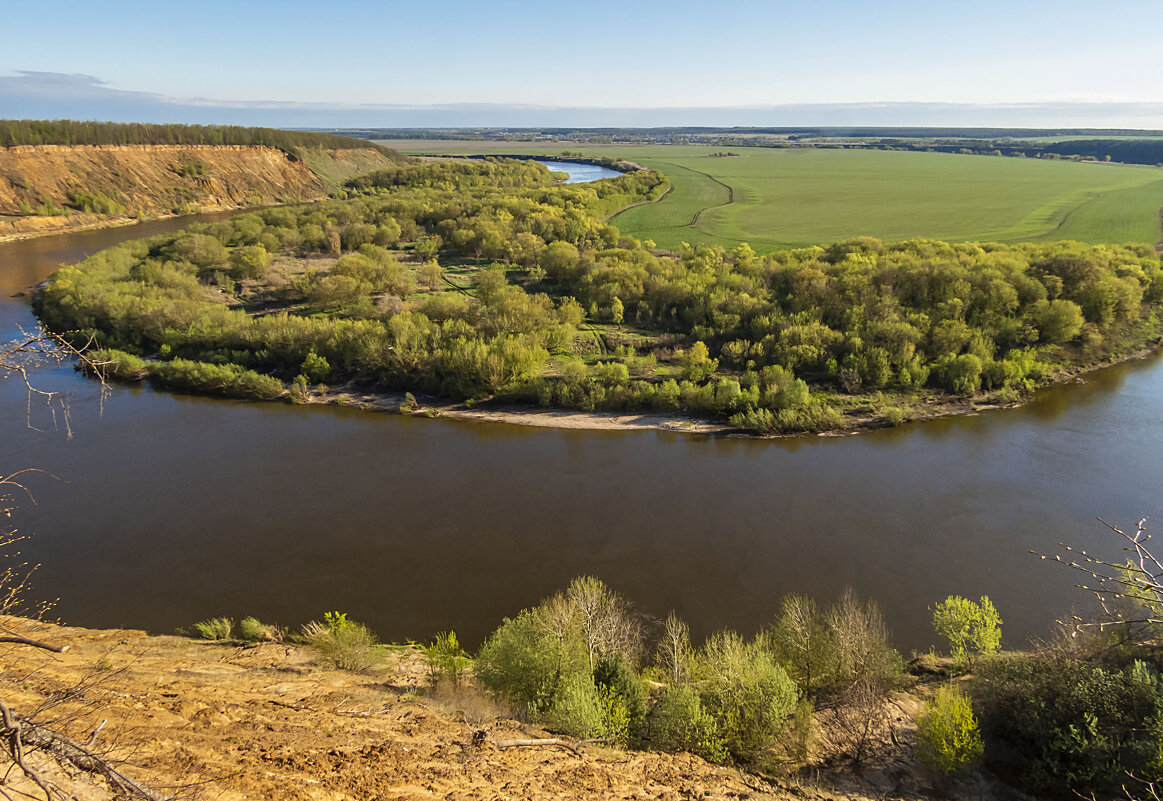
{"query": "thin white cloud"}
pixel 40 95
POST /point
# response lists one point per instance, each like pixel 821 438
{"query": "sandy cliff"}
pixel 238 721
pixel 156 180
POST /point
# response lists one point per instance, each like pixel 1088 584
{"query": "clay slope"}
pixel 264 721
pixel 130 181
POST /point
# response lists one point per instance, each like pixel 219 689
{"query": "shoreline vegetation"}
pixel 370 400
pixel 489 283
pixel 818 693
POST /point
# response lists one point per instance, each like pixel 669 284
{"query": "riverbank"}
pixel 857 422
pixel 267 720
pixel 51 189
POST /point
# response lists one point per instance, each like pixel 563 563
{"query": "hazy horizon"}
pixel 602 64
pixel 40 95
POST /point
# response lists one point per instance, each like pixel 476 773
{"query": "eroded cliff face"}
pixel 50 188
pixel 230 720
pixel 234 721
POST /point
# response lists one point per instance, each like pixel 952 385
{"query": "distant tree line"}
pixel 670 133
pixel 1126 151
pixel 82 132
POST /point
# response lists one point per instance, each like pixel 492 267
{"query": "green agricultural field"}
pixel 774 198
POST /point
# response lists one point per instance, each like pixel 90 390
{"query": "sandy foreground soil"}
pixel 198 719
pixel 263 721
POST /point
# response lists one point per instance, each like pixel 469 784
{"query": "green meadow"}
pixel 776 198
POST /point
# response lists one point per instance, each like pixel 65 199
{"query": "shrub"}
pixel 862 652
pixel 577 709
pixel 948 739
pixel 315 368
pixel 749 695
pixel 801 731
pixel 93 202
pixel 298 391
pixel 673 653
pixel 1069 724
pixel 678 722
pixel 803 643
pixel 971 628
pixel 219 379
pixel 118 364
pixel 895 415
pixel 623 698
pixel 252 630
pixel 216 628
pixel 531 658
pixel 343 643
pixel 249 261
pixel 446 660
pixel 960 375
pixel 604 619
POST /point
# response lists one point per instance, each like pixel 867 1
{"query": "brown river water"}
pixel 168 509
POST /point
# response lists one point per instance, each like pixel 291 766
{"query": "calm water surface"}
pixel 170 509
pixel 580 173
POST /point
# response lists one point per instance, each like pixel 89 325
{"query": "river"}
pixel 167 509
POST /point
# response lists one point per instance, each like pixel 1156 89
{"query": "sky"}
pixel 601 62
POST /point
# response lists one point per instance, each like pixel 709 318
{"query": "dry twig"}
pixel 1139 580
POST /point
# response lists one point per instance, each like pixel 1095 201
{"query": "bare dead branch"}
pixel 575 747
pixel 12 732
pixel 56 649
pixel 39 348
pixel 80 757
pixel 1138 581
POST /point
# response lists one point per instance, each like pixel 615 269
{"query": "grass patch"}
pixel 216 628
pixel 794 197
pixel 343 643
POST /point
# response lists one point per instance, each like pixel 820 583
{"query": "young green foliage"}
pixel 343 643
pixel 216 628
pixel 972 629
pixel 948 738
pixel 446 659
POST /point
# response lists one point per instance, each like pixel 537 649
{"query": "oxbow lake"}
pixel 167 509
pixel 580 173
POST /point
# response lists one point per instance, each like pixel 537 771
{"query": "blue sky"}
pixel 611 55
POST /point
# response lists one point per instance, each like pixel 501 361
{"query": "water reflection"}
pixel 580 173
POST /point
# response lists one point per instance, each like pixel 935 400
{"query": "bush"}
pixel 531 660
pixel 1069 724
pixel 623 698
pixel 749 695
pixel 804 644
pixel 862 652
pixel 343 643
pixel 577 710
pixel 216 628
pixel 678 722
pixel 118 364
pixel 446 660
pixel 315 368
pixel 971 628
pixel 218 379
pixel 948 739
pixel 252 630
pixel 249 262
pixel 801 731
